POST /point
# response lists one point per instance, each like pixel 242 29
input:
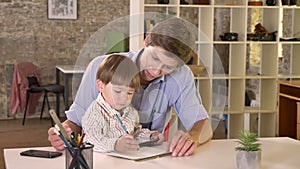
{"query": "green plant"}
pixel 248 141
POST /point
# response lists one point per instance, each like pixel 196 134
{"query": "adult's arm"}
pixel 192 114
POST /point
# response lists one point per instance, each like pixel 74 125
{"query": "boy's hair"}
pixel 119 70
pixel 174 35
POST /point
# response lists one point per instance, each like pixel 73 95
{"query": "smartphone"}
pixel 41 153
pixel 148 143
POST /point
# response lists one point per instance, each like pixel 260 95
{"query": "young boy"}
pixel 110 118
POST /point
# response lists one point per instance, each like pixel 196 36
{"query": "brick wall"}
pixel 28 35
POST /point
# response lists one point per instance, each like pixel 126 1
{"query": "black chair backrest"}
pixel 32 81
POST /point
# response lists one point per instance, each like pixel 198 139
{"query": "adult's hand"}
pixel 55 141
pixel 182 144
pixel 126 143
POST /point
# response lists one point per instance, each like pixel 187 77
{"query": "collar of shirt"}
pixel 109 110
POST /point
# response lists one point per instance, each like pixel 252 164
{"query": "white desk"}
pixel 68 71
pixel 277 153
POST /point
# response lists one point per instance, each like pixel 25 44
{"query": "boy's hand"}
pixel 126 143
pixel 159 136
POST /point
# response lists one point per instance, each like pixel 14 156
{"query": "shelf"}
pixel 259 77
pixel 258 110
pixel 228 42
pixel 290 7
pixel 203 42
pixel 232 65
pixel 195 6
pixel 281 76
pixel 262 7
pixel 290 42
pixel 262 42
pixel 225 110
pixel 229 6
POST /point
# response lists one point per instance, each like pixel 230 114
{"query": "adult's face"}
pixel 156 62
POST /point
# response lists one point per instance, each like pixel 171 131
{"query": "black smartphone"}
pixel 41 153
pixel 148 143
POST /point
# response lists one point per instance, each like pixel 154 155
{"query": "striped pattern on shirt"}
pixel 101 126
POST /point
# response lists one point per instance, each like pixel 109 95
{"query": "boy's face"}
pixel 156 62
pixel 118 97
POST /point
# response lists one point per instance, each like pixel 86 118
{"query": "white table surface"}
pixel 70 69
pixel 277 153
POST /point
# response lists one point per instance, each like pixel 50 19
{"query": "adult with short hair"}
pixel 166 82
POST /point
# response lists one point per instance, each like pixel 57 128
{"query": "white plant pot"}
pixel 248 159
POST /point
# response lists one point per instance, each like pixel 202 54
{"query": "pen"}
pixel 73 139
pixel 81 140
pixel 62 138
pixel 122 125
pixel 78 138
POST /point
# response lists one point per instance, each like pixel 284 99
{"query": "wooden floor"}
pixel 34 134
pixel 13 134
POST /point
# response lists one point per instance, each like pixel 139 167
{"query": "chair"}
pixel 35 87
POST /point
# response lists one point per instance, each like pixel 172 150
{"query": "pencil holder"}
pixel 80 157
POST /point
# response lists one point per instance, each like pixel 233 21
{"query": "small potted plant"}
pixel 248 153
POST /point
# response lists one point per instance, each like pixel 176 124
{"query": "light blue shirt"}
pixel 176 89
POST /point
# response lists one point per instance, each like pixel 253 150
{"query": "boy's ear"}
pixel 100 85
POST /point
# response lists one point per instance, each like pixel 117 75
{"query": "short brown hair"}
pixel 119 70
pixel 175 36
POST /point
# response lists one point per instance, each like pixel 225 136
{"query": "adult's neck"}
pixel 144 82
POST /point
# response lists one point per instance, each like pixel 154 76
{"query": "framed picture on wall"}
pixel 62 9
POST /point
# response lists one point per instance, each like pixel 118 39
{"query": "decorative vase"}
pixel 248 159
pixel 271 2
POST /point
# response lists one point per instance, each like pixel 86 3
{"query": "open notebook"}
pixel 143 153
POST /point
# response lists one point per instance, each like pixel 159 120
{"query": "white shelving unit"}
pixel 235 74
